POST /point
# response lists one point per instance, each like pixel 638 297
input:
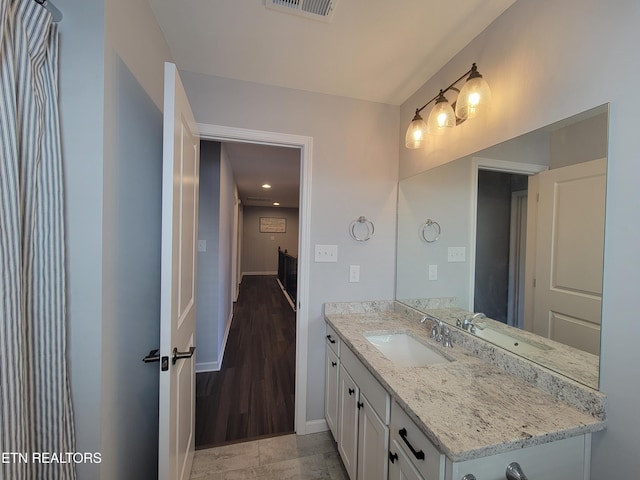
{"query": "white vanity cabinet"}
pixel 400 467
pixel 567 459
pixel 411 443
pixel 413 456
pixel 361 426
pixel 332 369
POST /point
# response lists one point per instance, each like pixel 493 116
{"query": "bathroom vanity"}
pixel 418 410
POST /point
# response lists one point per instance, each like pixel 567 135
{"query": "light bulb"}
pixel 474 96
pixel 416 133
pixel 441 117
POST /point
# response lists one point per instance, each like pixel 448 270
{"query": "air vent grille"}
pixel 315 9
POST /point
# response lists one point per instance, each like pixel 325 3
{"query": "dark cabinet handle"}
pixel 403 434
pixel 333 364
pixel 351 391
pixel 331 340
pixel 359 405
pixel 393 457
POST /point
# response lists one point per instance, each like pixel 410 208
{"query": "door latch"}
pixel 154 356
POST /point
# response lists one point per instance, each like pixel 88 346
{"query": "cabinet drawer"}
pixel 567 459
pixel 417 447
pixel 369 386
pixel 333 341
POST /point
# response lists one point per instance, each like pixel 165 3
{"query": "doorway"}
pixel 501 224
pixel 299 318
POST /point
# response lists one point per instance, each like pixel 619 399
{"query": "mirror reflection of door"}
pixel 569 232
pixel 548 282
pixel 500 240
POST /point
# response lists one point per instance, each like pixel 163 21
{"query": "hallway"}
pixel 253 394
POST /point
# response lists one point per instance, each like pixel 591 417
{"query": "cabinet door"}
pixel 331 392
pixel 373 443
pixel 400 467
pixel 348 422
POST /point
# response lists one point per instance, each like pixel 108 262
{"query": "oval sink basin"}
pixel 404 350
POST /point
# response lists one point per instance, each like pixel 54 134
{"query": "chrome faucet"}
pixel 467 322
pixel 439 332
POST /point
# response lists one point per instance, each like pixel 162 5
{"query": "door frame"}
pixel 480 163
pixel 222 133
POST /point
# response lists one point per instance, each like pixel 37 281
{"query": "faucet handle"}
pixel 434 332
pixel 446 338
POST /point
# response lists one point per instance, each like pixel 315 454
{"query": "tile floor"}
pixel 287 457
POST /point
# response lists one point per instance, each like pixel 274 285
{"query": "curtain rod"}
pixel 56 14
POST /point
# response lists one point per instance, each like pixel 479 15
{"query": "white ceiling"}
pixel 254 165
pixel 375 50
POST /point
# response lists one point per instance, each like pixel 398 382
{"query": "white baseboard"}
pixel 208 367
pixel 275 272
pixel 217 365
pixel 286 295
pixel 315 426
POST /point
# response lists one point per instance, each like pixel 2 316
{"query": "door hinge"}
pixel 534 283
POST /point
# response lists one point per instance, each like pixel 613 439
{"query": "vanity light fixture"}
pixel 472 98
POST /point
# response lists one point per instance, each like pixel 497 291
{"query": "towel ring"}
pixel 431 225
pixel 367 223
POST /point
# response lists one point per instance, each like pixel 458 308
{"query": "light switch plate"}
pixel 202 245
pixel 326 253
pixel 457 254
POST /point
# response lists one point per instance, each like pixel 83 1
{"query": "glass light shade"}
pixel 473 97
pixel 441 117
pixel 416 133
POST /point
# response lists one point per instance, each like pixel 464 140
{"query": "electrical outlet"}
pixel 354 273
pixel 457 254
pixel 326 253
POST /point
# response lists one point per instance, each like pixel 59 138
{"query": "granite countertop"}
pixel 469 408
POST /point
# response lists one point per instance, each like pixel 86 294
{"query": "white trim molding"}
pixel 480 163
pixel 305 144
pixel 217 365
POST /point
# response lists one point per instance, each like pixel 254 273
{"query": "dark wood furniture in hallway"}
pixel 253 394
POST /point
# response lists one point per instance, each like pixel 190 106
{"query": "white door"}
pixel 569 254
pixel 373 443
pixel 331 391
pixel 348 423
pixel 180 179
pixel 400 467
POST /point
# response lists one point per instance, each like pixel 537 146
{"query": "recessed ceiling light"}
pixel 276 204
pixel 266 186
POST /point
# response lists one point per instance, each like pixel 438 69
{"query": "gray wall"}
pixel 260 250
pixel 217 226
pixel 82 124
pixel 112 57
pixel 355 154
pixel 537 79
pixel 208 279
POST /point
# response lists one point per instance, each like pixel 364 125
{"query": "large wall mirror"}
pixel 515 231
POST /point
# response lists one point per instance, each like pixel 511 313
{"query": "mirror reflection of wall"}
pixel 488 211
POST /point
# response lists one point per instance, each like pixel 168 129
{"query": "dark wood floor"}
pixel 253 394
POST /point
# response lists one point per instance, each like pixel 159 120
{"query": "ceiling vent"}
pixel 313 9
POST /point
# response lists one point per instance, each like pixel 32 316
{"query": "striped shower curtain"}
pixel 36 421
